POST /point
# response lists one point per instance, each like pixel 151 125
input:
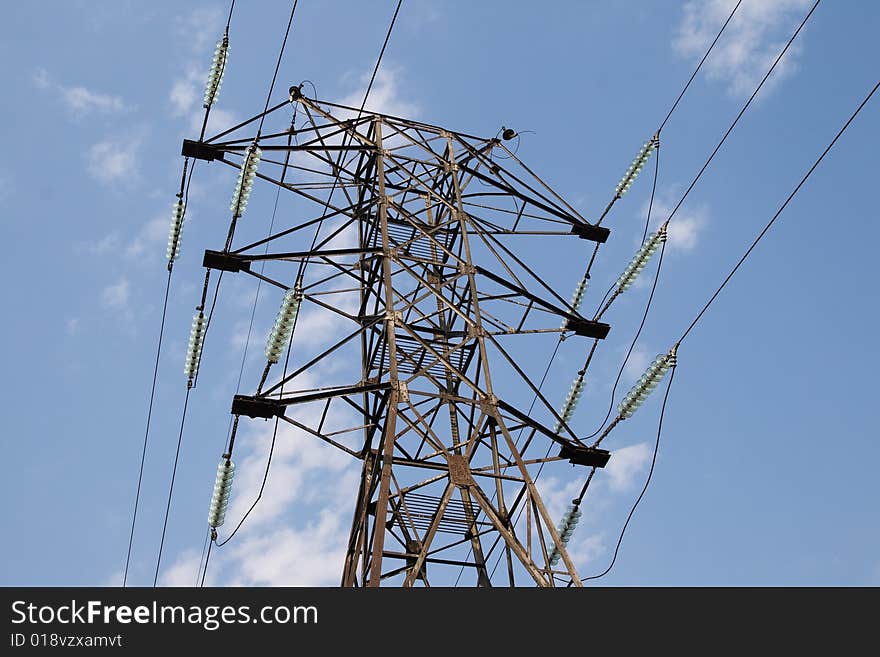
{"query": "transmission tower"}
pixel 440 226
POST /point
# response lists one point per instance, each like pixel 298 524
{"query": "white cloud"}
pixel 684 231
pixel 218 121
pixel 183 571
pixel 684 228
pixel 79 100
pixel 384 96
pixel 199 27
pixel 297 459
pixel 185 92
pixel 113 161
pixel 83 101
pixel 152 233
pixel 626 464
pixel 637 363
pixel 297 533
pixel 586 549
pixel 107 244
pixel 115 296
pixel 72 326
pixel 310 556
pixel 750 43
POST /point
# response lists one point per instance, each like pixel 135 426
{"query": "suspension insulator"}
pixel 222 490
pixel 196 342
pixel 578 294
pixel 175 230
pixel 577 297
pixel 245 182
pixel 215 76
pixel 571 401
pixel 637 164
pixel 566 529
pixel 284 323
pixel 647 383
pixel 641 258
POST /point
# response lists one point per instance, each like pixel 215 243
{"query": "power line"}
pixel 778 213
pixel 262 270
pixel 723 139
pixel 184 195
pixel 699 66
pixel 634 340
pixel 743 110
pixel 229 18
pixel 275 431
pixel 271 447
pixel 381 55
pixel 277 66
pixel 137 496
pixel 653 192
pixel 680 96
pixel 207 559
pixel 171 487
pixel 302 267
pixel 645 487
pixel 656 169
pixel 616 382
pixel 712 299
pixel 202 556
pixel 347 138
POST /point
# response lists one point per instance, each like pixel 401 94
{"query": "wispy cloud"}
pixel 183 571
pixel 752 40
pixel 114 160
pixel 637 362
pixel 152 233
pixel 218 120
pixel 685 227
pixel 385 96
pixel 296 535
pixel 199 26
pixel 79 100
pixel 185 92
pixel 115 296
pixel 106 245
pixel 308 556
pixel 626 465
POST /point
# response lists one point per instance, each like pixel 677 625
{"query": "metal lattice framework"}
pixel 425 232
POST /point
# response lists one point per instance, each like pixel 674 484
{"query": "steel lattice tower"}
pixel 443 222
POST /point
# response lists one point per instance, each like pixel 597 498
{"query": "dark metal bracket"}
pixel 225 261
pixel 199 150
pixel 256 407
pixel 583 455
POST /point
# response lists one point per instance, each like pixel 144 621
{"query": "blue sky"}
pixel 766 473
